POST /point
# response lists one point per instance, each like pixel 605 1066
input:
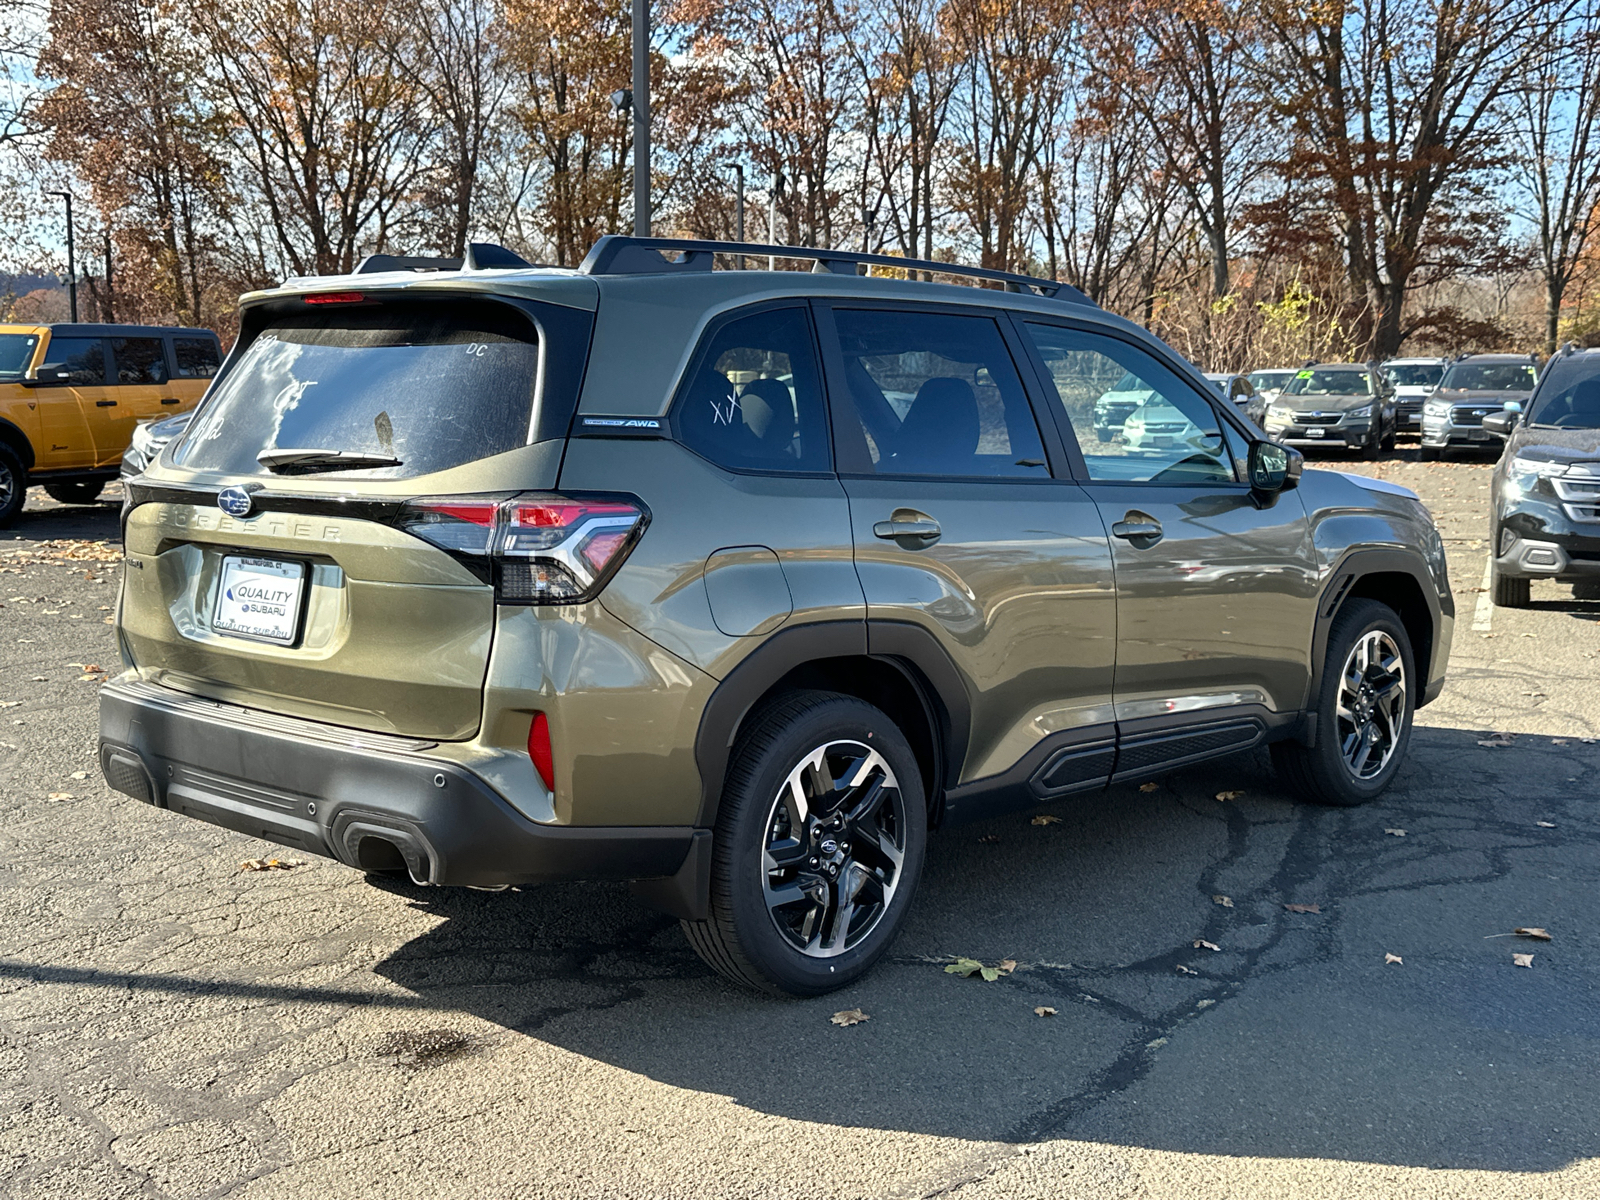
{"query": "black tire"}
pixel 76 493
pixel 1322 773
pixel 742 938
pixel 1510 593
pixel 1427 454
pixel 1586 589
pixel 1388 442
pixel 13 486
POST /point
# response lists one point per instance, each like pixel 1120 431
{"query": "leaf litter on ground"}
pixel 1304 908
pixel 1046 819
pixel 1226 796
pixel 1522 960
pixel 1202 944
pixel 1224 901
pixel 1497 741
pixel 849 1016
pixel 1395 959
pixel 968 967
pixel 271 864
pixel 1044 1010
pixel 1149 787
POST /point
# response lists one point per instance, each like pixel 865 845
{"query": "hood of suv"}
pixel 1554 445
pixel 1488 397
pixel 1321 403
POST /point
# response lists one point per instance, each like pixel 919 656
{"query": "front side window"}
pixel 139 360
pixel 1569 397
pixel 16 352
pixel 83 359
pixel 1269 379
pixel 395 391
pixel 197 357
pixel 753 401
pixel 1489 377
pixel 1169 435
pixel 1329 383
pixel 1415 374
pixel 938 394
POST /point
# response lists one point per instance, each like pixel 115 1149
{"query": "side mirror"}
pixel 1501 423
pixel 1273 467
pixel 48 375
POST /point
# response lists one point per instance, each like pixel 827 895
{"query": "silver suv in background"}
pixel 1473 387
pixel 1413 381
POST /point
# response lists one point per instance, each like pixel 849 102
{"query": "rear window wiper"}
pixel 293 462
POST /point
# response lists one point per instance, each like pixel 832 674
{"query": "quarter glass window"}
pixel 197 357
pixel 754 402
pixel 1135 420
pixel 938 395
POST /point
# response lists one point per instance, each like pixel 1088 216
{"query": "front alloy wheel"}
pixel 817 849
pixel 1372 704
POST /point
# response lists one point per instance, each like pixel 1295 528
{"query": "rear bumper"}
pixel 368 800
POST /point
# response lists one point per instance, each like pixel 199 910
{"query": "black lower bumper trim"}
pixel 368 805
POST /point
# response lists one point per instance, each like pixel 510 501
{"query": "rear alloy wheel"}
pixel 75 493
pixel 1363 710
pixel 13 487
pixel 819 845
pixel 1509 592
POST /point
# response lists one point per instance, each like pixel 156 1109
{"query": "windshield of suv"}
pixel 1415 374
pixel 432 387
pixel 16 352
pixel 1328 383
pixel 1489 377
pixel 1267 380
pixel 1569 395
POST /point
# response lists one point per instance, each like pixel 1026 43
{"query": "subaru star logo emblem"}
pixel 234 501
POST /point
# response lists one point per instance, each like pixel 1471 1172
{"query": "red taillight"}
pixel 538 549
pixel 540 752
pixel 334 298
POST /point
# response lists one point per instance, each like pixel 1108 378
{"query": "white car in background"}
pixel 1116 406
pixel 1413 380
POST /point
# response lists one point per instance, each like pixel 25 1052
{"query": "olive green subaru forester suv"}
pixel 733 584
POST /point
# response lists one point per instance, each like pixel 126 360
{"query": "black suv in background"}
pixel 1544 520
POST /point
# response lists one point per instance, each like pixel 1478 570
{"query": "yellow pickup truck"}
pixel 72 395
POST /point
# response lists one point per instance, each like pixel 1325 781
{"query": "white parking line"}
pixel 1483 615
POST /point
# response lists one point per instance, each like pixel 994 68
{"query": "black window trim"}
pixel 708 333
pixel 852 450
pixel 1179 370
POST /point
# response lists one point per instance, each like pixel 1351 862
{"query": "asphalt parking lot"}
pixel 174 1026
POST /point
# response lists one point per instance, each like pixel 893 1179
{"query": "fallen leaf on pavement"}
pixel 1183 970
pixel 1396 832
pixel 1225 901
pixel 849 1016
pixel 989 839
pixel 1393 958
pixel 1545 824
pixel 60 796
pixel 1229 795
pixel 79 775
pixel 1149 787
pixel 1534 932
pixel 271 864
pixel 1202 944
pixel 1558 741
pixel 1304 908
pixel 1046 819
pixel 1044 1010
pixel 1007 966
pixel 1497 740
pixel 1522 960
pixel 9 703
pixel 38 679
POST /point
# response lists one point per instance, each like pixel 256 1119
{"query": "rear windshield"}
pixel 1328 383
pixel 1569 395
pixel 1415 374
pixel 433 387
pixel 16 352
pixel 1489 377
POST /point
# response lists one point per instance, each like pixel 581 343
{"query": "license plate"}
pixel 1316 431
pixel 1161 439
pixel 259 598
pixel 1479 435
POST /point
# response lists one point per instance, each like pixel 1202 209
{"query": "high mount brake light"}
pixel 536 549
pixel 334 298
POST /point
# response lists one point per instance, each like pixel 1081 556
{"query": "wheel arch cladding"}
pixel 1392 579
pixel 17 442
pixel 832 656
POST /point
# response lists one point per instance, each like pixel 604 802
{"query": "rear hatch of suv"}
pixel 307 547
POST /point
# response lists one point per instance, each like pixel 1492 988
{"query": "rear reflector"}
pixel 334 298
pixel 537 549
pixel 539 751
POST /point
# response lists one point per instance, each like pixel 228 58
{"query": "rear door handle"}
pixel 1142 530
pixel 920 532
pixel 105 403
pixel 171 400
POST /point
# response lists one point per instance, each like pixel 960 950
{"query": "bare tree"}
pixel 1558 167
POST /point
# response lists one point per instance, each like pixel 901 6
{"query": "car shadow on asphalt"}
pixel 1295 1038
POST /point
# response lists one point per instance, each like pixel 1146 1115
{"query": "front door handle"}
pixel 105 403
pixel 1139 529
pixel 910 530
pixel 171 400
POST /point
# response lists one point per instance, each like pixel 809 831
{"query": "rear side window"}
pixel 433 386
pixel 84 359
pixel 139 360
pixel 197 357
pixel 753 401
pixel 938 394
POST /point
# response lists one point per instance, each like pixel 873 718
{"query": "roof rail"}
pixel 618 255
pixel 480 256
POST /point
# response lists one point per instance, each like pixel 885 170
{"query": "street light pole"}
pixel 641 118
pixel 738 211
pixel 72 262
